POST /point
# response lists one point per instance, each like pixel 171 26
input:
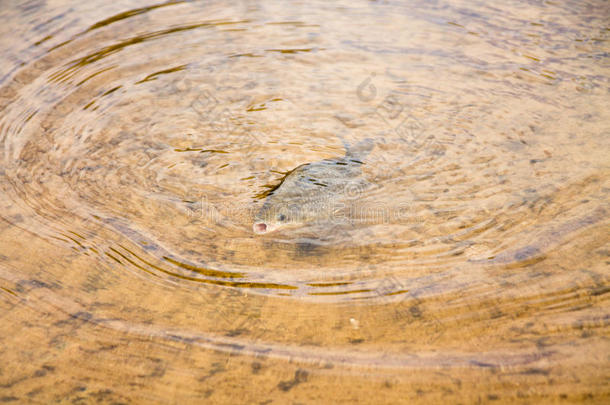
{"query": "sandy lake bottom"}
pixel 468 263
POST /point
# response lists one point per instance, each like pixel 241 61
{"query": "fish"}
pixel 314 192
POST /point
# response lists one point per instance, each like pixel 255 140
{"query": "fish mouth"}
pixel 260 228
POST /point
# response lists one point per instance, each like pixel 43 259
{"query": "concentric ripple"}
pixel 139 140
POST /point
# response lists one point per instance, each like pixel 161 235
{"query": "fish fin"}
pixel 345 143
pixel 360 150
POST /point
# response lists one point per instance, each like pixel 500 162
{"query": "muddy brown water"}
pixel 138 142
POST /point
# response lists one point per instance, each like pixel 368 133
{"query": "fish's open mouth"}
pixel 259 227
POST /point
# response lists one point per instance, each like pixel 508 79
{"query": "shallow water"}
pixel 138 143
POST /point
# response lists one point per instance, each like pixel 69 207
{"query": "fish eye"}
pixel 281 217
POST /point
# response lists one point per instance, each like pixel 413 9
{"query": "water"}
pixel 139 141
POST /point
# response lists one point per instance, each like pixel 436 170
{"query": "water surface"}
pixel 139 140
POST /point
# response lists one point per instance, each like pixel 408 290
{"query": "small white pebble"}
pixel 355 324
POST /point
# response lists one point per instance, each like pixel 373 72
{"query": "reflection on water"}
pixel 139 142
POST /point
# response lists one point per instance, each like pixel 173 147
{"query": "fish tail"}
pixel 345 143
pixel 361 149
pixel 358 151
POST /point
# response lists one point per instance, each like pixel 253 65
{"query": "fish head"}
pixel 276 215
